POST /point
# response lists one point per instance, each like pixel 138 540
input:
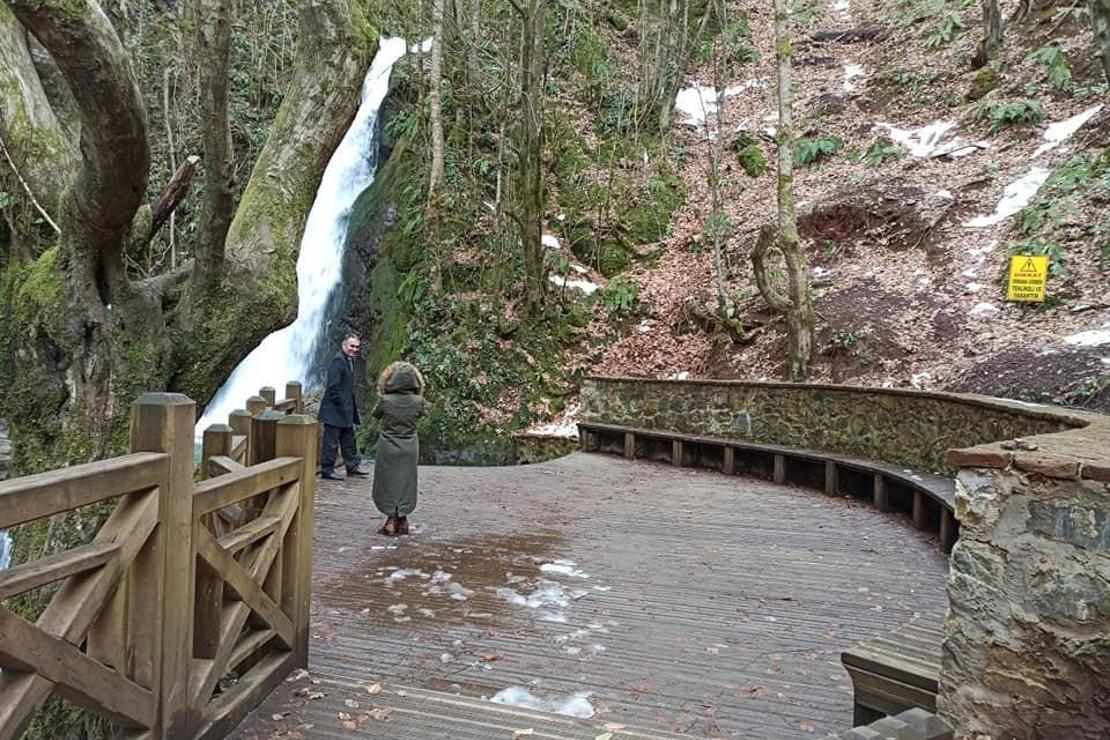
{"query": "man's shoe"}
pixel 331 476
pixel 359 473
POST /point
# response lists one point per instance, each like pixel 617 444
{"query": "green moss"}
pixel 983 82
pixel 749 153
pixel 613 258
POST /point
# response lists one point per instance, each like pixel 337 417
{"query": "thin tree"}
pixel 210 50
pixel 530 197
pixel 795 303
pixel 991 41
pixel 435 112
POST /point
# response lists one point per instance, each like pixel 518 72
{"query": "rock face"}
pixel 1027 640
pixel 909 428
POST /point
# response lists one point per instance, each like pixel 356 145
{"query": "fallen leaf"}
pixel 350 724
pixel 381 714
pixel 604 736
pixel 806 726
pixel 491 657
pixel 523 733
pixel 351 703
pixel 344 716
pixel 280 716
pixel 402 693
pixel 299 675
pixel 374 689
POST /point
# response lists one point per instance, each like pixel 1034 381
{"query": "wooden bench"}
pixel 895 672
pixel 927 498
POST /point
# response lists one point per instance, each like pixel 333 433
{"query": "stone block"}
pixel 1046 465
pixel 1092 471
pixel 927 725
pixel 977 458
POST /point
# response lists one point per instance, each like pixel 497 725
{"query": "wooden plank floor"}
pixel 665 601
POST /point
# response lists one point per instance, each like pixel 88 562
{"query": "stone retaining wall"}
pixel 1026 651
pixel 1027 640
pixel 912 428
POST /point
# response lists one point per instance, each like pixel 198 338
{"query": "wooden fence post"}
pixel 162 579
pixel 263 433
pixel 269 393
pixel 294 390
pixel 240 422
pixel 216 441
pixel 256 405
pixel 296 437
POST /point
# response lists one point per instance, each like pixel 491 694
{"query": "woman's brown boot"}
pixel 389 529
pixel 403 525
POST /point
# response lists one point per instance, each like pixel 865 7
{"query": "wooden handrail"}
pixel 41 495
pixel 232 488
pixel 180 586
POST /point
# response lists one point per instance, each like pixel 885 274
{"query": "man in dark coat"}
pixel 339 412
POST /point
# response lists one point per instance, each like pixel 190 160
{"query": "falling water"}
pixel 5 550
pixel 288 353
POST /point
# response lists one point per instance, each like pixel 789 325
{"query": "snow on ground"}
pixel 576 705
pixel 1091 338
pixel 852 73
pixel 560 281
pixel 1059 132
pixel 1015 196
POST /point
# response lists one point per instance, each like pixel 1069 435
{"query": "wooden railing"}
pixel 192 600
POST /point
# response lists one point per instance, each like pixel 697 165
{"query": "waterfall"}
pixel 288 353
pixel 5 550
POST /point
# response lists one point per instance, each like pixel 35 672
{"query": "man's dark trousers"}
pixel 343 437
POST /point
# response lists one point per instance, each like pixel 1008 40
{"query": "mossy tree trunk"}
pixel 1100 19
pixel 209 26
pixel 991 40
pixel 530 200
pixel 794 302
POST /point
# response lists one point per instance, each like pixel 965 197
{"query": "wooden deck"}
pixel 696 604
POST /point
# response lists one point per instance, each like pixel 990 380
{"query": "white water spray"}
pixel 288 353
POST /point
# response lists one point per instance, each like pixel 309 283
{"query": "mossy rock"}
pixel 984 81
pixel 749 153
pixel 614 257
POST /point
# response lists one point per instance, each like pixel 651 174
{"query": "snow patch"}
pixel 1059 132
pixel 585 286
pixel 1092 338
pixel 576 705
pixel 563 568
pixel 550 241
pixel 566 428
pixel 852 72
pixel 1015 196
pixel 985 310
pixel 699 101
pixel 929 141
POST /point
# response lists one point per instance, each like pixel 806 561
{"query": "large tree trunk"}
pixel 530 151
pixel 1100 19
pixel 37 152
pixel 796 305
pixel 258 288
pixel 210 23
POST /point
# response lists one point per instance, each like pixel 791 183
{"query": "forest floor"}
pixel 907 255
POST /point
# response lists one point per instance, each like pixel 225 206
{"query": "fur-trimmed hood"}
pixel 401 377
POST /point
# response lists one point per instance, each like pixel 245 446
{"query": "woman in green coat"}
pixel 401 403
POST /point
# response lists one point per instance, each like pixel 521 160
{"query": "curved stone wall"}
pixel 905 427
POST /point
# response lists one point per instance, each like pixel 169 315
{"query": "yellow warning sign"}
pixel 1028 276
